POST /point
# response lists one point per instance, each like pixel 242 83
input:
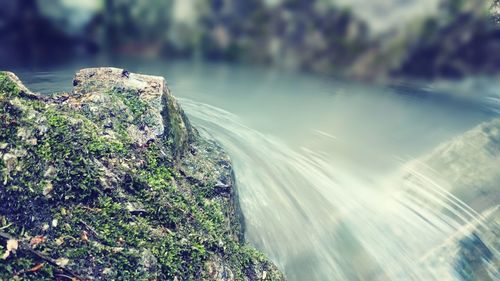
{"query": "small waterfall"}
pixel 320 221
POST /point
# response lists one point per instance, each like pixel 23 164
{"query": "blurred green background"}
pixel 362 39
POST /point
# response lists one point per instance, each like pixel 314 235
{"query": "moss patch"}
pixel 109 207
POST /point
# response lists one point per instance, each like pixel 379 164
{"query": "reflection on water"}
pixel 327 170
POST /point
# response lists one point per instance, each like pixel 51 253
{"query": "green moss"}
pixel 130 98
pixel 157 178
pixel 7 86
pixel 123 211
pixel 16 270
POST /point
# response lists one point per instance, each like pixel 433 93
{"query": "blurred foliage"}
pixel 461 41
pixel 301 34
pixel 297 33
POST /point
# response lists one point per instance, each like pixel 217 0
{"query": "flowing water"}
pixel 321 163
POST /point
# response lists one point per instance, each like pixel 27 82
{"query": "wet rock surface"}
pixel 111 182
pixel 467 166
pixel 473 250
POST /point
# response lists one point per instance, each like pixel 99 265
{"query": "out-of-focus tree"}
pixel 460 40
pixel 137 26
pixel 495 11
pixel 313 35
pixel 26 35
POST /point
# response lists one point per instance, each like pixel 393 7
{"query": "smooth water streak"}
pixel 320 222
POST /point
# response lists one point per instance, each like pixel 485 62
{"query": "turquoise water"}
pixel 320 165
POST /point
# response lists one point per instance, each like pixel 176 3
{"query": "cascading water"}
pixel 329 173
pixel 320 222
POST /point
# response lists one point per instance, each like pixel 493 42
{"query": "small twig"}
pixel 65 276
pixel 97 236
pixel 39 255
pixel 95 210
pixel 6 226
pixel 36 268
pixel 91 229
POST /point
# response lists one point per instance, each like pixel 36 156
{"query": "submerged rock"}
pixel 466 166
pixel 472 252
pixel 459 181
pixel 113 183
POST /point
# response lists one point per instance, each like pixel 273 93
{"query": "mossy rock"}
pixel 111 182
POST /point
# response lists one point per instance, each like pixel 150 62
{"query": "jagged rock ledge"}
pixel 111 182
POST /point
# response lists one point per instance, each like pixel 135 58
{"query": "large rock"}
pixel 111 182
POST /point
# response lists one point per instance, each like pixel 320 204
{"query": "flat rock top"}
pixel 97 79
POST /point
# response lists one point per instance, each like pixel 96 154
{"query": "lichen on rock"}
pixel 113 183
